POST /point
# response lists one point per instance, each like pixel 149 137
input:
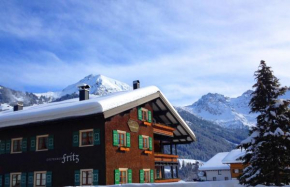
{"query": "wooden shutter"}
pixel 97 136
pixel 151 175
pixel 23 179
pixel 140 113
pixel 8 146
pixel 117 176
pixel 33 143
pixel 50 142
pixel 77 177
pixel 95 177
pixel 141 176
pixel 7 180
pixel 48 178
pixel 115 138
pixel 30 179
pixel 149 116
pixel 150 143
pixel 129 175
pixel 2 147
pixel 24 144
pixel 128 140
pixel 140 142
pixel 76 139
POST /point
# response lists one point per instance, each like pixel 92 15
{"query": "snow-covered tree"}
pixel 267 159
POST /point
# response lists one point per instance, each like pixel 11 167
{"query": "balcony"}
pixel 163 129
pixel 165 158
pixel 166 180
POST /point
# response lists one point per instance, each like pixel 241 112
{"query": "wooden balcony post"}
pixel 176 168
pixel 171 148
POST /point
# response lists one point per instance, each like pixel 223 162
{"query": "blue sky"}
pixel 186 48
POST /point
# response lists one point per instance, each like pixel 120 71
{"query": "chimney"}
pixel 18 106
pixel 84 91
pixel 136 84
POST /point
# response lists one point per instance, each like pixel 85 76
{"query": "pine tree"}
pixel 268 146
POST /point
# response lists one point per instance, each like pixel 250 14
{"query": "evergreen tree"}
pixel 268 146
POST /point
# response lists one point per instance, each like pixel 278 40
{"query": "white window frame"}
pixel 12 145
pixel 41 136
pixel 144 110
pixel 126 170
pixel 91 170
pixel 149 179
pixel 11 179
pixel 125 138
pixel 35 179
pixel 80 137
pixel 147 139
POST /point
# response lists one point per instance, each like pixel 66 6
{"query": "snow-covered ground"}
pixel 229 183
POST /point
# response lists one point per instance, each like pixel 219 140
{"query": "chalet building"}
pixel 215 170
pixel 233 159
pixel 113 139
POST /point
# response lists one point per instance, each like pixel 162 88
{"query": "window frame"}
pixel 214 178
pixel 147 140
pixel 37 139
pixel 80 137
pixel 219 172
pixel 81 177
pixel 35 179
pixel 11 178
pixel 149 179
pixel 146 111
pixel 12 145
pixel 125 138
pixel 126 176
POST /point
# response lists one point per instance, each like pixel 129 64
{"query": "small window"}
pixel 42 143
pixel 15 179
pixel 236 170
pixel 226 178
pixel 40 178
pixel 86 177
pixel 146 175
pixel 86 137
pixel 144 114
pixel 219 172
pixel 145 142
pixel 123 175
pixel 214 178
pixel 16 145
pixel 121 138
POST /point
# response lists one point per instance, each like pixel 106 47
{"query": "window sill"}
pixel 124 149
pixel 86 145
pixel 42 150
pixel 147 123
pixel 148 152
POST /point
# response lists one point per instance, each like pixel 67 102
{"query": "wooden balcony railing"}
pixel 166 180
pixel 163 129
pixel 165 158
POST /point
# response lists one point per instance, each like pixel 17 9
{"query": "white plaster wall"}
pixel 214 173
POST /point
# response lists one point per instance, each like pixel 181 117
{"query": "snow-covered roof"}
pixel 109 105
pixel 233 156
pixel 215 163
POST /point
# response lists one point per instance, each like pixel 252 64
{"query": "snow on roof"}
pixel 215 163
pixel 233 156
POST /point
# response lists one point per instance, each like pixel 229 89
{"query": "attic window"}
pixel 144 114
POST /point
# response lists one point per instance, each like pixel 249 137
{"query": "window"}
pixel 144 114
pixel 15 179
pixel 123 175
pixel 214 178
pixel 146 175
pixel 121 138
pixel 158 172
pixel 16 146
pixel 145 142
pixel 40 178
pixel 87 177
pixel 226 178
pixel 236 170
pixel 86 137
pixel 219 172
pixel 42 143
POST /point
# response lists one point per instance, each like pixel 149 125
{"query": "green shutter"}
pixel 32 143
pixel 149 116
pixel 128 140
pixel 115 138
pixel 8 146
pixel 50 142
pixel 23 179
pixel 150 143
pixel 129 176
pixel 97 134
pixel 117 176
pixel 140 142
pixel 140 113
pixel 76 139
pixel 2 147
pixel 141 176
pixel 49 179
pixel 7 180
pixel 1 181
pixel 151 175
pixel 30 179
pixel 24 145
pixel 95 177
pixel 77 177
